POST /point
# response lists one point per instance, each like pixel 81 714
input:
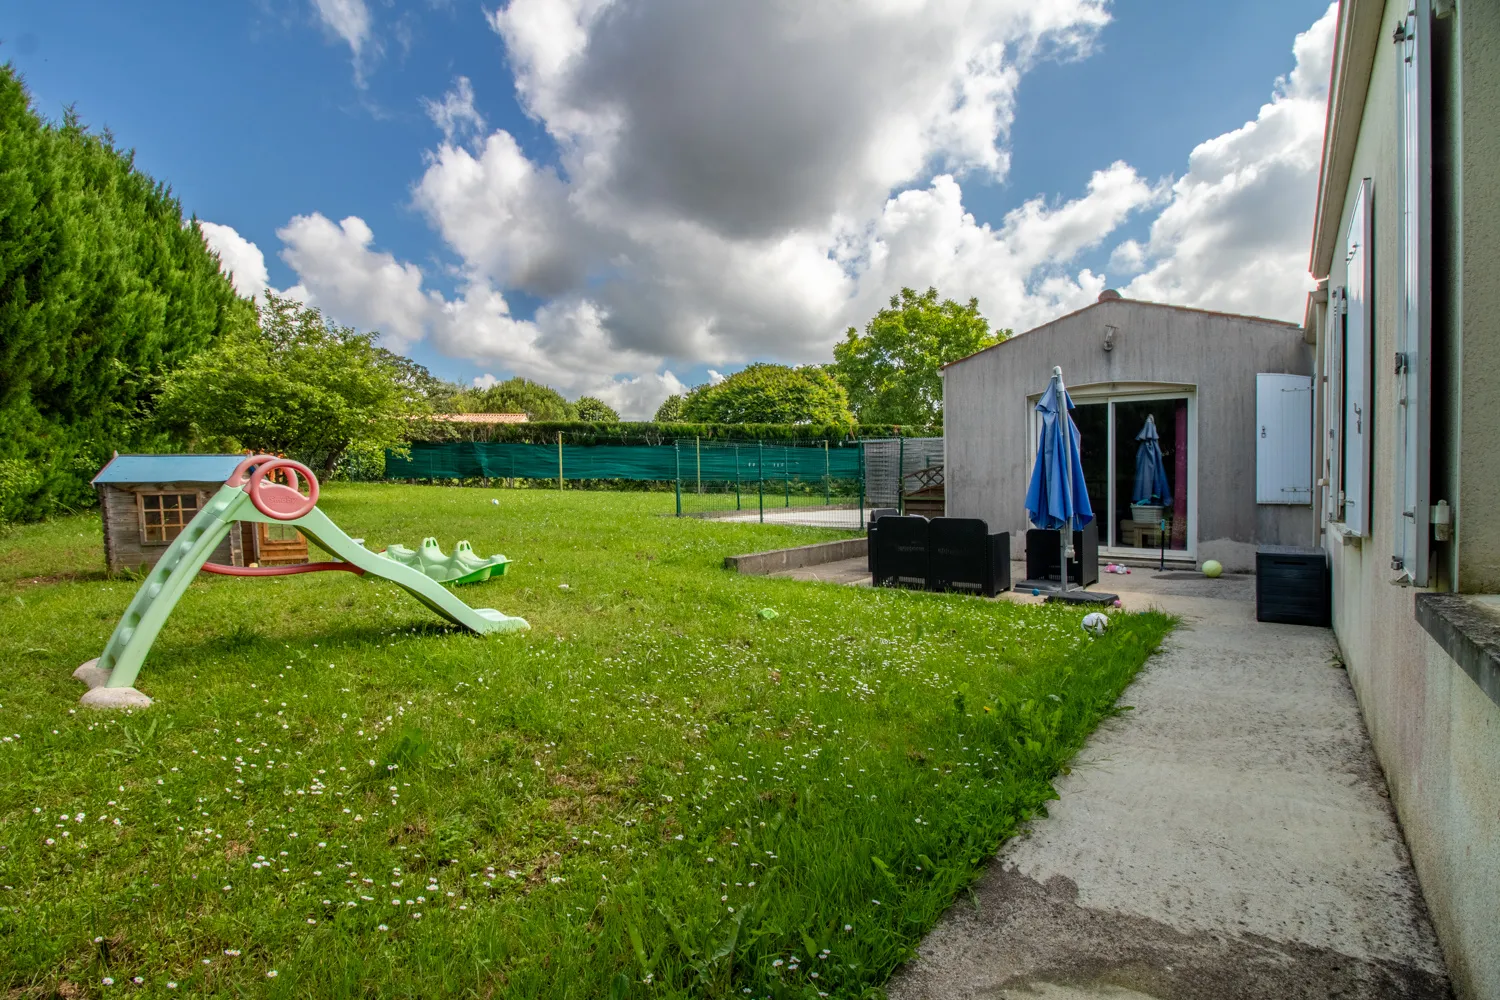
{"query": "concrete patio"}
pixel 1230 837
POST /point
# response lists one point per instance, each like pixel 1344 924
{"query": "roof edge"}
pixel 1138 302
pixel 1349 84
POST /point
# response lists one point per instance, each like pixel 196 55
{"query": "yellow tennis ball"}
pixel 1212 569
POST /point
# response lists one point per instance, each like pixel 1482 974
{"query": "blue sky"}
pixel 260 112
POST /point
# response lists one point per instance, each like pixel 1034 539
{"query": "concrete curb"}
pixel 763 563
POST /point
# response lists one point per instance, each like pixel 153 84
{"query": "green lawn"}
pixel 656 792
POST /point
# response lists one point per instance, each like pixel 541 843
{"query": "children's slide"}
pixel 249 495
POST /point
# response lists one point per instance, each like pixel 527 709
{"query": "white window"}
pixel 1283 439
pixel 1413 364
pixel 1358 421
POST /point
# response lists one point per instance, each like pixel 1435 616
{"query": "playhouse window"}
pixel 164 515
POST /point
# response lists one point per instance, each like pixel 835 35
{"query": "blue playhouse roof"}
pixel 168 469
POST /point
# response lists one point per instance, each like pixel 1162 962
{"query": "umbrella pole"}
pixel 1065 533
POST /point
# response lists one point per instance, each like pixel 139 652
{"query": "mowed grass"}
pixel 656 792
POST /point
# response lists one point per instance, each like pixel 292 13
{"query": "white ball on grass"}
pixel 1095 622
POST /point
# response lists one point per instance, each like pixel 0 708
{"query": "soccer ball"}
pixel 1095 622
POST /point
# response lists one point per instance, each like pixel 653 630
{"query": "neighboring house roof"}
pixel 168 469
pixel 1353 57
pixel 1111 297
pixel 481 418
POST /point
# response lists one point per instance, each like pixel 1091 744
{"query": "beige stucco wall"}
pixel 1214 356
pixel 1436 733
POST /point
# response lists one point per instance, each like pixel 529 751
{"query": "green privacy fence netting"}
pixel 801 482
pixel 716 461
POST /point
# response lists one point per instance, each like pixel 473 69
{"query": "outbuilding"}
pixel 1230 398
pixel 146 501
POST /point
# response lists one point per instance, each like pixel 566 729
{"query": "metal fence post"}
pixel 677 454
pixel 698 450
pixel 786 474
pixel 861 464
pixel 900 474
pixel 736 477
pixel 827 477
pixel 760 476
pixel 559 461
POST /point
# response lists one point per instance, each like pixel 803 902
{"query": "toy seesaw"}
pixel 248 495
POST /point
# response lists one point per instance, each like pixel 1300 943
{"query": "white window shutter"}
pixel 1358 420
pixel 1333 405
pixel 1413 362
pixel 1283 439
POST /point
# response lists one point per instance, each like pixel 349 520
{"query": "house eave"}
pixel 1354 57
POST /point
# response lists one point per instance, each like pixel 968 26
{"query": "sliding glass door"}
pixel 1139 463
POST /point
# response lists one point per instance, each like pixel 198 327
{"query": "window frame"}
pixel 145 529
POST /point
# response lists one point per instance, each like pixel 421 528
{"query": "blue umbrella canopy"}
pixel 1057 495
pixel 1151 485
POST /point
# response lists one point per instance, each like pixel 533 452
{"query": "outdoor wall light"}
pixel 1109 337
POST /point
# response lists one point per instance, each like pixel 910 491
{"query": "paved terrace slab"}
pixel 1230 837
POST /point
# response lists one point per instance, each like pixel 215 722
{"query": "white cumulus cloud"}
pixel 1234 235
pixel 239 258
pixel 338 272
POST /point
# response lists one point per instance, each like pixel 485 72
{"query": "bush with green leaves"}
pixel 517 395
pixel 595 411
pixel 296 385
pixel 770 394
pixel 670 410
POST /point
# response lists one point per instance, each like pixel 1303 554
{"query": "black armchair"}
pixel 963 555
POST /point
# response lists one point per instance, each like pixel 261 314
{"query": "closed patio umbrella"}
pixel 1057 498
pixel 1151 486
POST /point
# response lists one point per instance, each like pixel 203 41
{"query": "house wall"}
pixel 987 414
pixel 1437 734
pixel 123 548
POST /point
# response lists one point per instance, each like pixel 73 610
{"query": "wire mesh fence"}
pixel 892 467
pixel 814 483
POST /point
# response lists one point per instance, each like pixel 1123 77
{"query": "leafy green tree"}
pixel 440 395
pixel 296 385
pixel 518 395
pixel 891 372
pixel 595 411
pixel 670 410
pixel 104 287
pixel 770 394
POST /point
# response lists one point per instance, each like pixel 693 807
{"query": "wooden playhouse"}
pixel 146 501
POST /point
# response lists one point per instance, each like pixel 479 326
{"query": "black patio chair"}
pixel 963 555
pixel 899 545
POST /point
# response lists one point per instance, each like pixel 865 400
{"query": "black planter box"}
pixel 963 555
pixel 1291 585
pixel 898 552
pixel 1042 555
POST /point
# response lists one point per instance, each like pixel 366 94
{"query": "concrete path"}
pixel 1231 837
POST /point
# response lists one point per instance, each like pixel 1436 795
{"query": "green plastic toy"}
pixel 463 566
pixel 249 496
